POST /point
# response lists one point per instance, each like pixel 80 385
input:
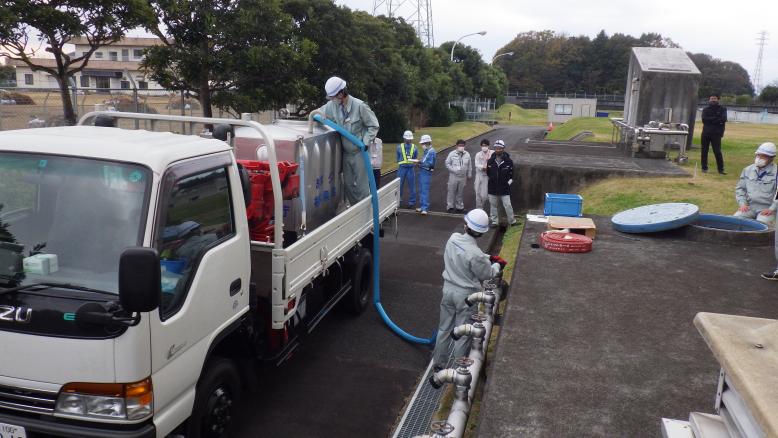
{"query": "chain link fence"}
pixel 35 108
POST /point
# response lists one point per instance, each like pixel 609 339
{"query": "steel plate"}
pixel 656 217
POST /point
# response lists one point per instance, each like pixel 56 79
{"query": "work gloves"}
pixel 499 260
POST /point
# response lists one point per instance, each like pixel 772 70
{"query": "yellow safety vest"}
pixel 405 156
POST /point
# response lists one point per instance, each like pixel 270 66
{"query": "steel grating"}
pixel 418 415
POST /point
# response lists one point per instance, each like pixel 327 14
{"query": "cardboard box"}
pixel 578 225
pixel 36 265
pixel 53 261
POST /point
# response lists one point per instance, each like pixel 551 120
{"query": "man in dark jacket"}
pixel 499 170
pixel 714 116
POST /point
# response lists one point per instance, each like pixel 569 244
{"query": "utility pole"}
pixel 761 41
pixel 417 13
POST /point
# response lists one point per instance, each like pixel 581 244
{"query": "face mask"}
pixel 714 102
pixel 460 148
pixel 760 162
pixel 484 149
pixel 426 146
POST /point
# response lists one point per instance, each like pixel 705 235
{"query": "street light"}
pixel 482 33
pixel 501 54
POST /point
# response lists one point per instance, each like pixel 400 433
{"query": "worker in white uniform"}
pixel 755 190
pixel 460 169
pixel 481 185
pixel 466 267
pixel 357 118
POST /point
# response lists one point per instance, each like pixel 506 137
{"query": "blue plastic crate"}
pixel 557 204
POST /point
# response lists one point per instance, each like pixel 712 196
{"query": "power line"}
pixel 417 13
pixel 761 42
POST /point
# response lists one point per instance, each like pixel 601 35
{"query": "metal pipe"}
pixel 474 331
pixel 303 157
pixel 311 119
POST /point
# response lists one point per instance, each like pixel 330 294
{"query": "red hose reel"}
pixel 565 242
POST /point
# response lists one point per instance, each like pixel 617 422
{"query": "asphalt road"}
pixel 513 136
pixel 352 375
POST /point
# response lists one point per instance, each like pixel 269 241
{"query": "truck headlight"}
pixel 120 401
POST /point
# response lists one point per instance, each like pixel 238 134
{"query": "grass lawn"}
pixel 601 127
pixel 712 192
pixel 521 116
pixel 441 139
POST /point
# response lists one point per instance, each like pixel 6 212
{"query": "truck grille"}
pixel 27 400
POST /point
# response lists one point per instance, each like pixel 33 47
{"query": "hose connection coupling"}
pixel 462 330
pixel 459 376
pixel 486 297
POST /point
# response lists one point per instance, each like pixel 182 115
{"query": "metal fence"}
pixel 545 95
pixel 33 108
pixel 477 109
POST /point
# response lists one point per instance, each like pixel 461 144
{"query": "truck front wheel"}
pixel 216 401
pixel 361 283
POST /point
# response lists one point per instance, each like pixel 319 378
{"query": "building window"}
pixel 198 217
pixel 98 55
pixel 102 82
pixel 113 56
pixel 84 54
pixel 563 109
pixel 125 85
pixel 143 85
pixel 28 80
pixel 84 81
pixel 125 54
pixel 137 53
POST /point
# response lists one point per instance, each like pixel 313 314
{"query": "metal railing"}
pixel 574 95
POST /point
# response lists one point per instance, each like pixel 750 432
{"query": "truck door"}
pixel 204 252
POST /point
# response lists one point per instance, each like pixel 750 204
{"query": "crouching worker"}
pixel 755 191
pixel 466 267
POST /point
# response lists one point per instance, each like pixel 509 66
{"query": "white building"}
pixel 562 109
pixel 112 67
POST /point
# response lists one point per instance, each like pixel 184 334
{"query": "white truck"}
pixel 133 302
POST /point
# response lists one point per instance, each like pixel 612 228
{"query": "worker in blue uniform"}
pixel 426 167
pixel 407 157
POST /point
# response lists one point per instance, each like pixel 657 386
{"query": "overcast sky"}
pixel 724 29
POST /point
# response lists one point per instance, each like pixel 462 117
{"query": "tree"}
pixel 238 55
pixel 55 23
pixel 723 77
pixel 769 94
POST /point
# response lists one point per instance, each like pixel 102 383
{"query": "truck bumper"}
pixel 53 426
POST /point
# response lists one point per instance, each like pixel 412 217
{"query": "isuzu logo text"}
pixel 15 314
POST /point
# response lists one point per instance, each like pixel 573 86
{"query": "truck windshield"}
pixel 65 219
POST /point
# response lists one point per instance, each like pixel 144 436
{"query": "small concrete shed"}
pixel 562 109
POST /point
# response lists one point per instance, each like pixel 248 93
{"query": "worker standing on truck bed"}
pixel 357 117
pixel 466 267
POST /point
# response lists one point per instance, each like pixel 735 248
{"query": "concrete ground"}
pixel 602 344
pixel 352 376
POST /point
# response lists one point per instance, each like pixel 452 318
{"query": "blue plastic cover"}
pixel 656 217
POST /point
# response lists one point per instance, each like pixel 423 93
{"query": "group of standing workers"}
pixel 491 170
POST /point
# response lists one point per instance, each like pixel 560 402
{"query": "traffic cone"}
pixel 550 127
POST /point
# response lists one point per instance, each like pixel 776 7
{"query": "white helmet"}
pixel 425 139
pixel 499 144
pixel 334 85
pixel 477 220
pixel 766 148
pixel 408 135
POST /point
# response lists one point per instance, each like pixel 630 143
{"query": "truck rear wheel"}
pixel 216 401
pixel 361 283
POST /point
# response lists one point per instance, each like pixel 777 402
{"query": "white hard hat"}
pixel 499 144
pixel 477 220
pixel 425 139
pixel 766 148
pixel 408 135
pixel 334 85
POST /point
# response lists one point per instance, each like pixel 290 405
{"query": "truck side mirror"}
pixel 139 279
pixel 245 184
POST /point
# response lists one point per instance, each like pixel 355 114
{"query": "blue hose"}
pixel 376 245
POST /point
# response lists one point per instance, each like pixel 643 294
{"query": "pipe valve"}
pixel 476 330
pixel 460 376
pixel 480 297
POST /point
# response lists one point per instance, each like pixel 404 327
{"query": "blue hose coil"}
pixel 376 245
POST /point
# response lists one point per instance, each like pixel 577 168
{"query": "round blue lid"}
pixel 656 217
